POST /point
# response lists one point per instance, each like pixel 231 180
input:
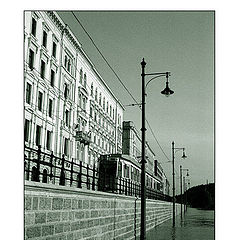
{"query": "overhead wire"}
pixel 104 58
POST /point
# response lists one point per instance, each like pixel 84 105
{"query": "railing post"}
pixel 38 163
pixel 51 165
pixel 93 181
pixel 120 185
pixel 88 183
pixel 71 179
pixel 80 175
pixel 62 175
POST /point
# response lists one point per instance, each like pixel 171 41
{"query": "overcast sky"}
pixel 179 42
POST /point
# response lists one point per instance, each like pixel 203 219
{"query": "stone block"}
pixel 57 204
pixel 45 203
pixel 29 219
pixel 79 215
pixel 85 204
pixel 65 216
pixel 67 227
pixel 80 204
pixel 35 203
pixel 53 216
pixel 47 230
pixel 74 203
pixel 33 231
pixel 59 228
pixel 67 203
pixel 70 236
pixel 94 214
pixel 27 203
pixel 40 217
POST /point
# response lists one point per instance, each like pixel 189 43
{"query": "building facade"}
pixel 68 107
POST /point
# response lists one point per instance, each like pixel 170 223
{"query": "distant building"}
pixel 68 108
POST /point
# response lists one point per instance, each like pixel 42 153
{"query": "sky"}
pixel 181 42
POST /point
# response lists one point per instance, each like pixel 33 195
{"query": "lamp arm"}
pixel 153 79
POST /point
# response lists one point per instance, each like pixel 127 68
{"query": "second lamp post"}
pixel 173 174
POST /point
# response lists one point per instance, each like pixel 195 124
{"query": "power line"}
pixel 104 58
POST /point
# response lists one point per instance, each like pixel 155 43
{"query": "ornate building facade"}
pixel 68 107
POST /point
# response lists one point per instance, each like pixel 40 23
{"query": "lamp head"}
pixel 167 91
pixel 184 156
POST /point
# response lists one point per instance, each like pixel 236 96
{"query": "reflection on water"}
pixel 195 225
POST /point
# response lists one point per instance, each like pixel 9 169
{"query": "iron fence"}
pixel 45 167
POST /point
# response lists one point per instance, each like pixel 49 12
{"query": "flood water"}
pixel 196 225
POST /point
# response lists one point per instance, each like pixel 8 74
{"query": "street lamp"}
pixel 181 170
pixel 167 91
pixel 174 149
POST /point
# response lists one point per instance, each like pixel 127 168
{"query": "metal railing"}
pixel 43 167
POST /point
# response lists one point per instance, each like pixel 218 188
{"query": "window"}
pixel 28 93
pixel 104 103
pixel 54 49
pixel 107 107
pixel 84 104
pixel 26 130
pixel 31 59
pixel 49 140
pixel 65 61
pixel 100 99
pixel 38 135
pixel 91 112
pixel 92 89
pixel 40 99
pixel 80 100
pixel 69 65
pixel 81 76
pixel 96 94
pixel 52 78
pixel 34 26
pixel 67 117
pixel 66 90
pixel 95 117
pixel 113 114
pixel 85 80
pixel 50 107
pixel 44 40
pixel 110 110
pixel 42 73
pixel 66 146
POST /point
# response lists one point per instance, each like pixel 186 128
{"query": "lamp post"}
pixel 167 91
pixel 174 149
pixel 181 170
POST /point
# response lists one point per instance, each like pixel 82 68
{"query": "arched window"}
pixel 100 99
pixel 103 103
pixel 85 80
pixel 45 174
pixel 34 176
pixel 92 89
pixel 65 61
pixel 81 75
pixel 96 94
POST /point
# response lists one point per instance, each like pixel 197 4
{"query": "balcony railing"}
pixel 83 137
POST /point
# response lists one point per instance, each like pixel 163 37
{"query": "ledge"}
pixel 47 189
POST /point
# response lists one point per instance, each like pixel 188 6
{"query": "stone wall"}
pixel 62 213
